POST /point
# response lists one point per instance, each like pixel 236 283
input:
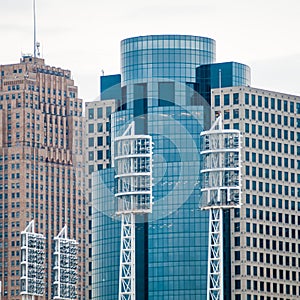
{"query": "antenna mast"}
pixel 34 30
pixel 36 46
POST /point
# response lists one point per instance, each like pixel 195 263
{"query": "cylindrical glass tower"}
pixel 158 77
pixel 173 57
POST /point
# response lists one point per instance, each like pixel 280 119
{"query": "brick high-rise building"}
pixel 41 166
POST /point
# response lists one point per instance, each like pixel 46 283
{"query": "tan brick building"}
pixel 41 174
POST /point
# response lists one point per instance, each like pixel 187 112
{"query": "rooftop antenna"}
pixel 36 46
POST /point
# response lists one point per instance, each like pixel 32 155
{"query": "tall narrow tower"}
pixel 133 162
pixel 40 166
pixel 221 189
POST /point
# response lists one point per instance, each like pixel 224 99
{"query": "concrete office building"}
pixel 97 157
pixel 264 233
pixel 41 158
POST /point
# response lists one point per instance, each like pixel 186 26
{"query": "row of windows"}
pixel 274 216
pixel 15 71
pixel 99 112
pixel 31 87
pixel 272 188
pixel 280 245
pixel 259 101
pixel 267 258
pixel 272 118
pixel 276 203
pixel 271 132
pixel 99 127
pixel 276 161
pixel 91 168
pixel 269 273
pixel 91 141
pixel 261 287
pixel 272 174
pixel 98 155
pixel 272 245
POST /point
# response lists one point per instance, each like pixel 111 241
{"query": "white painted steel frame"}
pixel 133 163
pixel 221 189
pixel 65 257
pixel 215 278
pixel 127 258
pixel 32 263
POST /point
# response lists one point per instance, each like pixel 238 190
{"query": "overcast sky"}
pixel 84 36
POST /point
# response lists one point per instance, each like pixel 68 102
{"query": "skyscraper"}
pixel 264 237
pixel 159 93
pixel 41 159
pixel 97 157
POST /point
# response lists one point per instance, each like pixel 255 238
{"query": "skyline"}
pixel 87 40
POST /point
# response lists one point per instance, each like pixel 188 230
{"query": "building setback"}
pixel 41 166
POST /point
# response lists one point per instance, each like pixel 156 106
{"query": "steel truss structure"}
pixel 32 263
pixel 221 189
pixel 65 266
pixel 133 163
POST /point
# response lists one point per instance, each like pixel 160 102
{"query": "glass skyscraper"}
pixel 159 93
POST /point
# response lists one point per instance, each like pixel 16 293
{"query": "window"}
pixel 100 141
pixel 266 102
pixel 91 169
pixel 100 154
pixel 91 113
pixel 246 113
pixel 226 115
pixel 91 155
pixel 259 100
pixel 217 100
pixel 91 142
pixel 99 113
pixel 99 127
pixel 253 100
pixel 236 114
pixel 226 99
pixel 108 111
pixel 235 98
pixel 91 128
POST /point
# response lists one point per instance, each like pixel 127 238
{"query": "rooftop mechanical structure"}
pixel 221 189
pixel 133 163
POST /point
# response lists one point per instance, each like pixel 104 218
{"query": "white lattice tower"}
pixel 65 266
pixel 133 163
pixel 221 189
pixel 32 263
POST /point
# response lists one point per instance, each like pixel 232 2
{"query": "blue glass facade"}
pixel 173 57
pixel 226 74
pixel 159 92
pixel 110 87
pixel 106 241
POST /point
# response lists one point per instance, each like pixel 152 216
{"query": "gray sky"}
pixel 84 36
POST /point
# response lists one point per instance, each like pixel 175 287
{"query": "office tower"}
pixel 217 75
pixel 264 233
pixel 97 157
pixel 159 93
pixel 110 87
pixel 41 160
